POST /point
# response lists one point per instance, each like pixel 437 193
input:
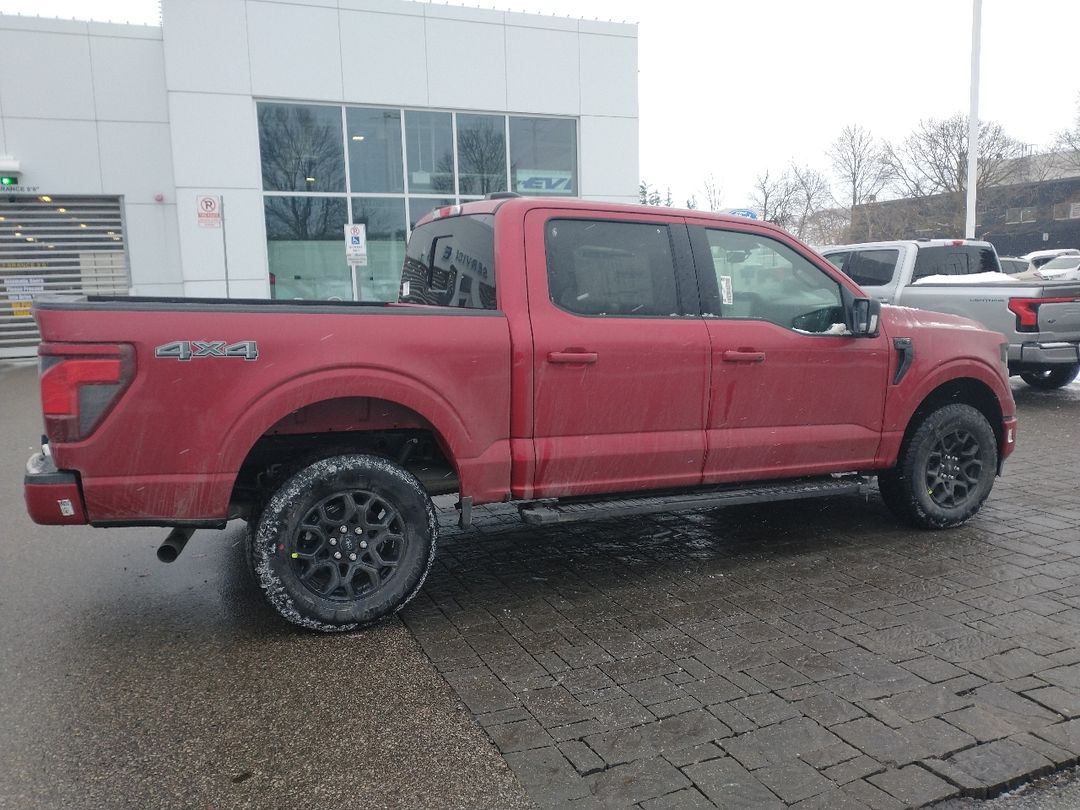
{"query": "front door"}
pixel 791 394
pixel 620 353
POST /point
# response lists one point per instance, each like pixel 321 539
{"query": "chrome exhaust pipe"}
pixel 169 550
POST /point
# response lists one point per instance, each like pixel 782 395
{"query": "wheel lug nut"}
pixel 363 544
pixel 337 555
pixel 344 529
pixel 352 557
pixel 333 541
pixel 358 530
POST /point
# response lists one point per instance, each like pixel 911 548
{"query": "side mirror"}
pixel 864 314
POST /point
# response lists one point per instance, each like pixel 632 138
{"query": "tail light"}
pixel 1027 311
pixel 80 384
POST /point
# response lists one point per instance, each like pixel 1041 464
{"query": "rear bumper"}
pixel 1064 353
pixel 53 497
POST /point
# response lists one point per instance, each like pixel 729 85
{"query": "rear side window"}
pixel 871 268
pixel 600 267
pixel 451 263
pixel 954 260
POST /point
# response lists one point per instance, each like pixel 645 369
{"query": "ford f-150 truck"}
pixel 1040 319
pixel 581 358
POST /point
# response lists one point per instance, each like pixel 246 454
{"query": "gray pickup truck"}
pixel 1041 320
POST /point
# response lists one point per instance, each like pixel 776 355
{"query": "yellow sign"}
pixel 21 309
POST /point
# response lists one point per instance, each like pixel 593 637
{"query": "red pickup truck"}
pixel 581 358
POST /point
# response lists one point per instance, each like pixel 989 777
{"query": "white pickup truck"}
pixel 1040 319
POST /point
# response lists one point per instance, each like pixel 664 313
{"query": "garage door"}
pixel 55 244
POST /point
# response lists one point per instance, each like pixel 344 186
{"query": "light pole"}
pixel 973 119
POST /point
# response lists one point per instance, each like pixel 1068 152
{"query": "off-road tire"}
pixel 1051 378
pixel 918 490
pixel 293 561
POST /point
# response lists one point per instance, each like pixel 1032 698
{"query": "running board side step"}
pixel 545 513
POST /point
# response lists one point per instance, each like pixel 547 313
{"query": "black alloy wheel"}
pixel 348 545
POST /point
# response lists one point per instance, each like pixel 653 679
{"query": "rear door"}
pixel 620 352
pixel 790 394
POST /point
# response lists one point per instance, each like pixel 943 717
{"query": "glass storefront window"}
pixel 429 144
pixel 319 162
pixel 374 144
pixel 543 156
pixel 384 220
pixel 481 142
pixel 306 248
pixel 301 148
pixel 418 206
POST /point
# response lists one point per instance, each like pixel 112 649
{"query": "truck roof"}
pixel 490 206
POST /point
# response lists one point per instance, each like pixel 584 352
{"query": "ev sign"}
pixel 545 181
pixel 356 245
pixel 208 211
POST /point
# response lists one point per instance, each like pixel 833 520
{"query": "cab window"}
pixel 609 268
pixel 763 279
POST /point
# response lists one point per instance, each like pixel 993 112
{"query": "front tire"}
pixel 343 543
pixel 945 470
pixel 1052 377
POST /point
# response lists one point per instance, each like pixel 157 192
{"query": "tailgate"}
pixel 1059 314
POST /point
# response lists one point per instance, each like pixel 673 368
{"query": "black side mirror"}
pixel 864 315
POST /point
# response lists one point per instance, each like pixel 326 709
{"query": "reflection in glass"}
pixel 384 220
pixel 429 145
pixel 419 206
pixel 374 143
pixel 481 141
pixel 543 156
pixel 305 243
pixel 300 147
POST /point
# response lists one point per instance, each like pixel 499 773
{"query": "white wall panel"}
pixel 59 156
pixel 153 244
pixel 215 140
pixel 542 71
pixel 294 51
pixel 206 46
pixel 466 64
pixel 607 63
pixel 245 233
pixel 609 156
pixel 45 75
pixel 129 79
pixel 136 160
pixel 375 67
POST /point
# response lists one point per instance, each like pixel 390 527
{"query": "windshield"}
pixel 1062 263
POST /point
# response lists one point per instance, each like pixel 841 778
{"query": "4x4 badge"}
pixel 191 349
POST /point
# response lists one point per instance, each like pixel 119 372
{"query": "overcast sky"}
pixel 734 88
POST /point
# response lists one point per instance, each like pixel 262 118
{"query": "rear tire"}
pixel 1052 377
pixel 945 470
pixel 344 542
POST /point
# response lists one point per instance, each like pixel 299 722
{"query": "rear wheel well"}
pixel 275 457
pixel 963 391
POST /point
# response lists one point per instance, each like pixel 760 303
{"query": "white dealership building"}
pixel 225 152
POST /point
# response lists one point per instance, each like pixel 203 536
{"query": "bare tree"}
pixel 933 160
pixel 1067 143
pixel 812 195
pixel 712 193
pixel 858 160
pixel 775 196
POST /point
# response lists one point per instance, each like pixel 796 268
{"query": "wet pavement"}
pixel 813 655
pixel 808 655
pixel 128 683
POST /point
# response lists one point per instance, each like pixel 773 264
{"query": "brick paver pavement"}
pixel 813 655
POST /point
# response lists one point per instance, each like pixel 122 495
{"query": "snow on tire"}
pixel 344 542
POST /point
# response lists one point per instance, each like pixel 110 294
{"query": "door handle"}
pixel 731 356
pixel 572 357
